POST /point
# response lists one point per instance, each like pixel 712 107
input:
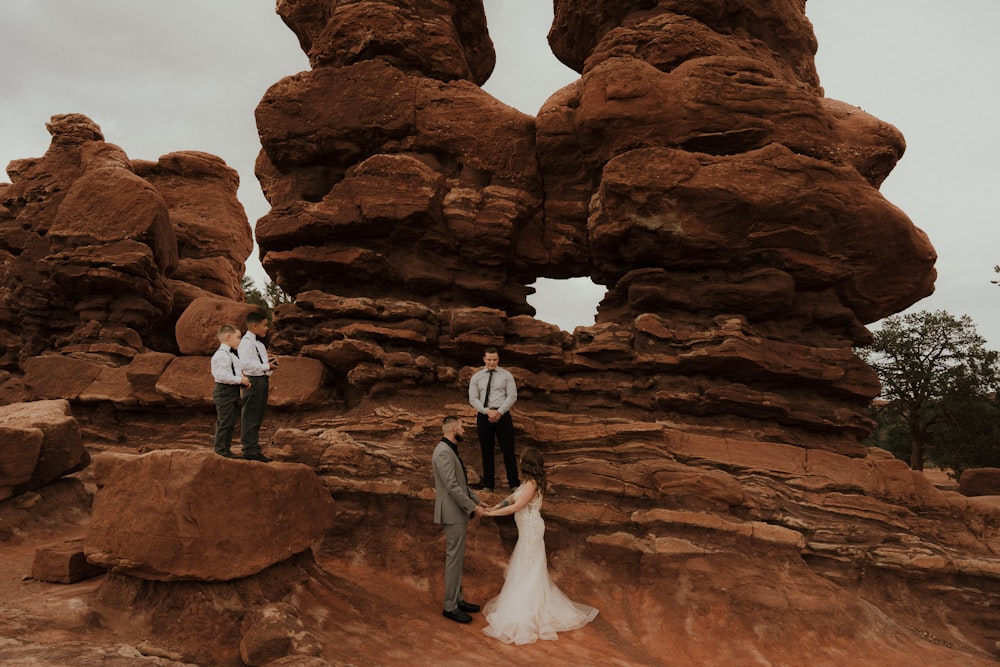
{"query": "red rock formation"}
pixel 406 178
pixel 100 254
pixel 176 515
pixel 445 38
pixel 711 179
pixel 209 222
pixel 63 563
pixel 980 482
pixel 694 168
pixel 708 489
pixel 40 443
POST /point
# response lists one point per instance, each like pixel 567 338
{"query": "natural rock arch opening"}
pixel 407 225
pixel 522 51
pixel 566 303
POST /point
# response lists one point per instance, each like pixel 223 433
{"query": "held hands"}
pixel 493 416
pixel 495 510
pixel 245 381
pixel 483 510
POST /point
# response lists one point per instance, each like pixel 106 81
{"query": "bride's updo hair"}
pixel 533 467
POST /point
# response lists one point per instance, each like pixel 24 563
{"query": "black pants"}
pixel 502 432
pixel 254 405
pixel 227 410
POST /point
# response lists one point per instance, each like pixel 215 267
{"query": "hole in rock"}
pixel 527 72
pixel 567 303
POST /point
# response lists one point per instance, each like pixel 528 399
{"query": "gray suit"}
pixel 454 505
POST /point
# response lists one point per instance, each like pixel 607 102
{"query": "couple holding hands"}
pixel 530 606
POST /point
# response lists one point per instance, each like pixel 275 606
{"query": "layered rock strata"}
pixel 695 169
pixel 708 490
pixel 100 254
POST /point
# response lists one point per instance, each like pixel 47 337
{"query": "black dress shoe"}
pixel 257 457
pixel 228 455
pixel 457 615
pixel 468 606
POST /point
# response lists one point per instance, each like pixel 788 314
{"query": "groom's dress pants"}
pixel 454 561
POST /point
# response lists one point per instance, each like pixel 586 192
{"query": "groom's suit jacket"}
pixel 453 502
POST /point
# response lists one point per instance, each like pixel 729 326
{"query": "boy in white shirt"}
pixel 258 366
pixel 228 373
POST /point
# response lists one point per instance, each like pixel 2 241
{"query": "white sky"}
pixel 187 74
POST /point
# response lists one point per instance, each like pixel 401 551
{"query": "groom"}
pixel 454 505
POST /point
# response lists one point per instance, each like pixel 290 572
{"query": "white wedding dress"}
pixel 530 606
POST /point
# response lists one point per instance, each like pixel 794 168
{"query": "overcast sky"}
pixel 187 74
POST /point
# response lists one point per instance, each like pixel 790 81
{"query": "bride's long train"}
pixel 530 606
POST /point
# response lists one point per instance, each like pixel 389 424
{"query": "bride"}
pixel 530 606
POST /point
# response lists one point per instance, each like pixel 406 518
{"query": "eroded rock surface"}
pixel 695 169
pixel 980 482
pixel 173 515
pixel 709 490
pixel 39 443
pixel 100 254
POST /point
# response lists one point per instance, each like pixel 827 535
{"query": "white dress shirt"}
pixel 226 366
pixel 253 355
pixel 503 390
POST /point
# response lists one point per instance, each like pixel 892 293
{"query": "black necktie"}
pixel 486 399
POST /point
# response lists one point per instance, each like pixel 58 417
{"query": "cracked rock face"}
pixel 100 254
pixel 695 169
pixel 708 491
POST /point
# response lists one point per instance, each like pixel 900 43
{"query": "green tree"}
pixel 252 292
pixel 269 298
pixel 968 435
pixel 927 363
pixel 891 432
pixel 275 295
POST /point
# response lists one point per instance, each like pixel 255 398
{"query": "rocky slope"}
pixel 709 490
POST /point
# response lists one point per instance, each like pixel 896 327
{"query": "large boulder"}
pixel 198 326
pixel 297 382
pixel 980 482
pixel 39 443
pixel 448 40
pixel 184 515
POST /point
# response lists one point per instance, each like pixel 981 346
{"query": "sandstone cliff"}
pixel 709 490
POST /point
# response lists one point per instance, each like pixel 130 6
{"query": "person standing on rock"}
pixel 257 366
pixel 492 392
pixel 454 505
pixel 228 373
pixel 530 606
